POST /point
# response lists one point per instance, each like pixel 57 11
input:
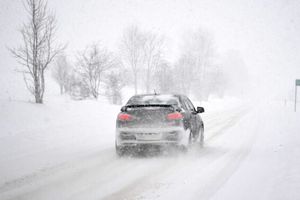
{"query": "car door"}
pixel 186 112
pixel 195 118
pixel 190 116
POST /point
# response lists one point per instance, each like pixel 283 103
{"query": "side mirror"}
pixel 200 110
pixel 123 109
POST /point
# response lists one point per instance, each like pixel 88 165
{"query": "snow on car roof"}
pixel 154 99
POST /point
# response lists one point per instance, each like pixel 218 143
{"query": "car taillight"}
pixel 124 117
pixel 175 115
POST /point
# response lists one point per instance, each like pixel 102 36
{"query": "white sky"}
pixel 265 32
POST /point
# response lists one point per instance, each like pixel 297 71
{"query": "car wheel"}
pixel 119 150
pixel 188 140
pixel 202 136
pixel 194 136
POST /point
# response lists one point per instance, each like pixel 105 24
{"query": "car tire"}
pixel 119 150
pixel 186 145
pixel 202 136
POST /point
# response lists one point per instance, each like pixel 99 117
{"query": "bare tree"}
pixel 76 87
pixel 61 72
pixel 184 73
pixel 37 50
pixel 92 63
pixel 153 54
pixel 197 53
pixel 115 83
pixel 132 51
pixel 164 78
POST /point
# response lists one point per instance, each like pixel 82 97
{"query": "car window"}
pixel 190 104
pixel 184 104
pixel 187 104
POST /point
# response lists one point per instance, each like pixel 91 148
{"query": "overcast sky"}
pixel 267 33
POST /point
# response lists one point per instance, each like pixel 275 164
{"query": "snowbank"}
pixel 35 137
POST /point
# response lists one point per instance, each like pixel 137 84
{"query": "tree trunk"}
pixel 37 89
pixel 95 94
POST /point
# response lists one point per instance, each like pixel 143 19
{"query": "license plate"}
pixel 149 136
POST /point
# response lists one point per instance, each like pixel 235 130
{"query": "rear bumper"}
pixel 137 143
pixel 152 136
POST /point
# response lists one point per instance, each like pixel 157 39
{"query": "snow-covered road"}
pixel 95 172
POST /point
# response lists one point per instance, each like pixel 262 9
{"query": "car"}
pixel 159 120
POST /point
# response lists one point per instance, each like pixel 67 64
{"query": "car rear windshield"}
pixel 153 99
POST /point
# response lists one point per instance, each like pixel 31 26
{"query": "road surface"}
pixel 197 174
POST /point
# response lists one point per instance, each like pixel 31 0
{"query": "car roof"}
pixel 163 94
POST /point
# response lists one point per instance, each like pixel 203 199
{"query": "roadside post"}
pixel 296 84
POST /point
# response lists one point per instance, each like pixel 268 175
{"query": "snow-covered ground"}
pixel 65 150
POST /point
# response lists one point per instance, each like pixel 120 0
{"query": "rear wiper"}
pixel 149 105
